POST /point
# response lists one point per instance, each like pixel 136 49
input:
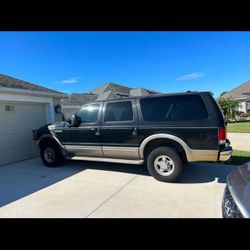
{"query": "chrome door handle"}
pixel 134 132
pixel 97 131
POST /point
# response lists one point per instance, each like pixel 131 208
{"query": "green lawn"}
pixel 240 157
pixel 238 127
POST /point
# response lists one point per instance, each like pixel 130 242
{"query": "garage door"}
pixel 16 123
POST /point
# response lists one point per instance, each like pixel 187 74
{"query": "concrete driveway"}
pixel 90 189
pixel 240 141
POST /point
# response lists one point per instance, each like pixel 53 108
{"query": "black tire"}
pixel 175 164
pixel 56 160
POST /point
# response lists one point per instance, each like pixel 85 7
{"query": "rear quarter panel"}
pixel 199 134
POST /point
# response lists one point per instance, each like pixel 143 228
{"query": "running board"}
pixel 136 162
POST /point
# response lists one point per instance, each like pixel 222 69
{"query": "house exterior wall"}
pixel 242 107
pixel 69 110
pixel 248 107
pixel 48 101
pixel 58 117
pixel 20 114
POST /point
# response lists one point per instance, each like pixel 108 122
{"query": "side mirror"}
pixel 73 121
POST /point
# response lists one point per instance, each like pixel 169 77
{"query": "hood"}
pixel 239 186
pixel 57 125
pixel 49 128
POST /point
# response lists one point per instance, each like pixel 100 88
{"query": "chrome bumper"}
pixel 226 154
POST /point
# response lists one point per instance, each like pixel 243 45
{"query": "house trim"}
pixel 49 106
pixel 31 92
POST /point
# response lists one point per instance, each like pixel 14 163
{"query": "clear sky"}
pixel 164 61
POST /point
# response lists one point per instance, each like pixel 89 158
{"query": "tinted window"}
pixel 88 113
pixel 173 108
pixel 119 111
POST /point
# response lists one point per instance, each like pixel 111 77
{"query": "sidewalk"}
pixel 240 141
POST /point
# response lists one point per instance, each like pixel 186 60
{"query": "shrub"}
pixel 229 107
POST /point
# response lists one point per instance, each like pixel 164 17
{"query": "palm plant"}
pixel 229 107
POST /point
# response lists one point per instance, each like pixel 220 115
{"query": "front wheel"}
pixel 51 155
pixel 164 164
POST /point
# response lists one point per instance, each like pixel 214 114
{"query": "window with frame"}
pixel 88 113
pixel 119 111
pixel 173 108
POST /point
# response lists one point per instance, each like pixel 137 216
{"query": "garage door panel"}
pixel 16 130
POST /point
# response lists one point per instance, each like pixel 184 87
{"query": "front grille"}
pixel 229 207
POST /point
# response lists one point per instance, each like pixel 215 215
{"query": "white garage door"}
pixel 17 120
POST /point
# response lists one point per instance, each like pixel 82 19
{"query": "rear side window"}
pixel 173 108
pixel 119 111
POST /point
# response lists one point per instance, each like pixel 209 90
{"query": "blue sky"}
pixel 164 61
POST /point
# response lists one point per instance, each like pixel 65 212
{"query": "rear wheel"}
pixel 51 155
pixel 164 164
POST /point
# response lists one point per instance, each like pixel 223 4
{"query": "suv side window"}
pixel 119 111
pixel 88 113
pixel 173 108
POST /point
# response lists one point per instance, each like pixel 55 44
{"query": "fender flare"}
pixel 49 136
pixel 164 136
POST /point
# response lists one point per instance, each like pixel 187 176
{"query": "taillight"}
pixel 222 135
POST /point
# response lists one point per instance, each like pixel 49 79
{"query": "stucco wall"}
pixel 58 117
pixel 242 107
pixel 69 111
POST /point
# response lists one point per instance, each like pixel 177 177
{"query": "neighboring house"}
pixel 241 94
pixel 74 101
pixel 105 92
pixel 23 107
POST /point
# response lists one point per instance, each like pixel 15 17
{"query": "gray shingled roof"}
pixel 142 91
pixel 110 86
pixel 78 99
pixel 107 91
pixel 238 92
pixel 11 82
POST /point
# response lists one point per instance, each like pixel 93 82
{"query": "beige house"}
pixel 241 94
pixel 23 107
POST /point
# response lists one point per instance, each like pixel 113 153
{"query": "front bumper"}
pixel 229 206
pixel 226 154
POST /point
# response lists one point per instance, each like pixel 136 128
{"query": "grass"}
pixel 238 127
pixel 240 157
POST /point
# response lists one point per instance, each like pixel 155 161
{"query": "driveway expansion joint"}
pixel 111 196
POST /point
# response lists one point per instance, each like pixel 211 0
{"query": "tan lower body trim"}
pixel 130 153
pixel 201 155
pixel 135 162
pixel 92 151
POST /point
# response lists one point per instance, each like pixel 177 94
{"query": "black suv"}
pixel 164 131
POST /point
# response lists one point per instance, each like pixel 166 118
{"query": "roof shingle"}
pixel 11 82
pixel 239 91
pixel 107 91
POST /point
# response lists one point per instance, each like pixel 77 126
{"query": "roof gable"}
pixel 239 91
pixel 110 86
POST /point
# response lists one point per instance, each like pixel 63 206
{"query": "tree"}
pixel 229 107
